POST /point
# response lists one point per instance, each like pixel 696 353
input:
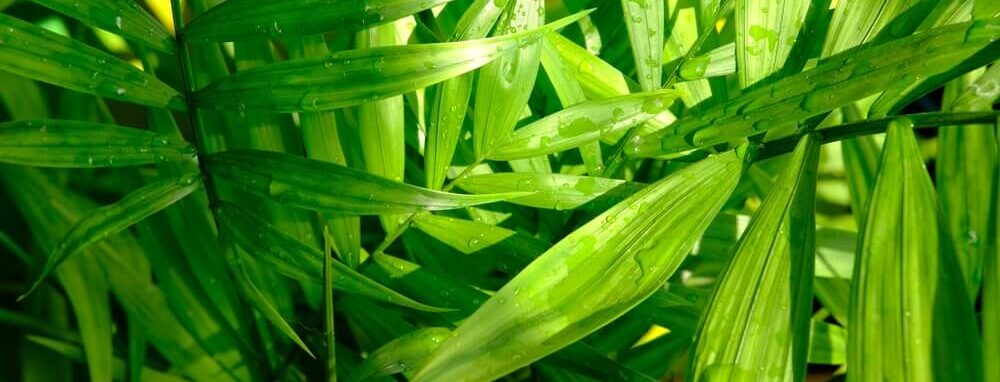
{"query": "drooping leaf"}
pixel 403 354
pixel 34 52
pixel 594 275
pixel 765 34
pixel 123 17
pixel 111 219
pixel 504 85
pixel 583 123
pixel 236 20
pixel 553 191
pixel 318 185
pixel 910 317
pixel 356 76
pixel 756 327
pixel 837 80
pixel 73 144
pixel 644 20
pixel 295 259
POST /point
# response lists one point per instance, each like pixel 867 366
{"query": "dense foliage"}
pixel 525 190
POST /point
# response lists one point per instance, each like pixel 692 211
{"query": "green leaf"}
pixel 569 91
pixel 87 290
pixel 236 20
pixel 910 316
pixel 827 344
pixel 766 31
pixel 356 76
pixel 504 85
pixel 552 191
pixel 123 17
pixel 515 249
pixel 965 181
pixel 403 354
pixel 34 52
pixel 111 219
pixel 644 20
pixel 72 351
pixel 297 260
pixel 991 285
pixel 583 123
pixel 756 326
pixel 598 78
pixel 835 82
pixel 319 185
pixel 72 144
pixel 594 275
pixel 856 22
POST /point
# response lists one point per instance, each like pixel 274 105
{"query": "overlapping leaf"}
pixel 60 143
pixel 591 277
pixel 34 52
pixel 356 76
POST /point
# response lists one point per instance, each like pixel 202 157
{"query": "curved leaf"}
pixel 73 144
pixel 583 123
pixel 910 317
pixel 123 17
pixel 300 261
pixel 111 219
pixel 236 20
pixel 319 185
pixel 356 76
pixel 34 52
pixel 553 191
pixel 756 326
pixel 836 81
pixel 594 275
pixel 504 85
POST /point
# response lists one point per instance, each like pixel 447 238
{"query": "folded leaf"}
pixel 583 123
pixel 910 318
pixel 403 354
pixel 320 186
pixel 356 76
pixel 756 327
pixel 123 17
pixel 236 20
pixel 34 52
pixel 553 191
pixel 594 275
pixel 504 85
pixel 111 219
pixel 644 20
pixel 836 81
pixel 72 144
pixel 300 261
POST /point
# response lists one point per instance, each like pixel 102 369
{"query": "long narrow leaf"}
pixel 554 191
pixel 357 76
pixel 123 17
pixel 644 20
pixel 910 317
pixel 72 144
pixel 236 20
pixel 320 186
pixel 756 326
pixel 34 52
pixel 111 219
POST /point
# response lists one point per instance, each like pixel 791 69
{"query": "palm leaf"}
pixel 644 20
pixel 123 17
